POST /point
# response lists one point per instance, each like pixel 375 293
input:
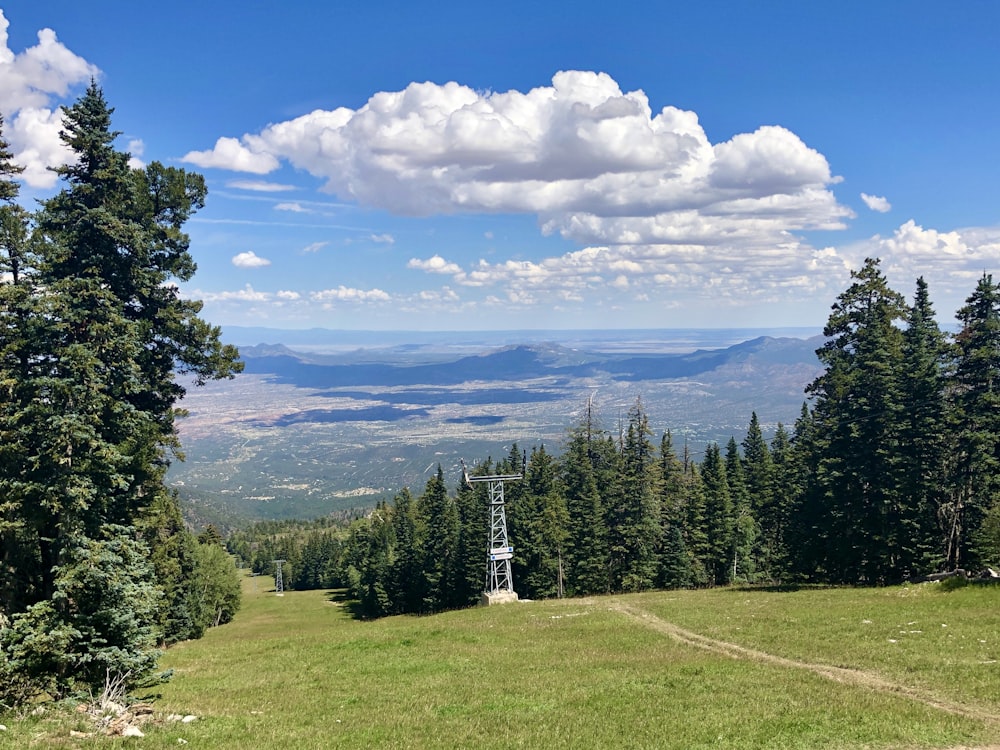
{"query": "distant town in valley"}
pixel 322 421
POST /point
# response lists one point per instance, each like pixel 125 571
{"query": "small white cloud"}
pixel 434 264
pixel 293 207
pixel 286 294
pixel 876 203
pixel 136 148
pixel 386 239
pixel 246 294
pixel 250 259
pixel 229 153
pixel 259 186
pixel 347 294
pixel 315 247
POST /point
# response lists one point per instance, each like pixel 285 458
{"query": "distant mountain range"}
pixel 520 363
pixel 326 424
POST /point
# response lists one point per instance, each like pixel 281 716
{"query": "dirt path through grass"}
pixel 857 677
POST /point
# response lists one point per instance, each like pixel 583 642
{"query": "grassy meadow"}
pixel 902 667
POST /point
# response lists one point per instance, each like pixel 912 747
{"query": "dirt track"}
pixel 857 677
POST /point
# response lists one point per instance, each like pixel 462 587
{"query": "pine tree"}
pixel 745 529
pixel 924 436
pixel 92 334
pixel 634 519
pixel 586 552
pixel 439 521
pixel 858 410
pixel 719 523
pixel 675 560
pixel 543 529
pixel 775 519
pixel 975 482
pixel 759 471
pixel 406 588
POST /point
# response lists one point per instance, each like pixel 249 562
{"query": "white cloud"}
pixel 385 239
pixel 246 294
pixel 595 164
pixel 314 247
pixel 293 207
pixel 229 153
pixel 876 203
pixel 259 186
pixel 249 259
pixel 136 148
pixel 289 295
pixel 31 82
pixel 434 264
pixel 346 294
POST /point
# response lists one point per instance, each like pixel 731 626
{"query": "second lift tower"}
pixel 499 582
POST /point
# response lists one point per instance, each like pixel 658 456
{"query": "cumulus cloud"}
pixel 594 163
pixel 876 203
pixel 30 81
pixel 249 259
pixel 434 264
pixel 246 294
pixel 229 153
pixel 346 294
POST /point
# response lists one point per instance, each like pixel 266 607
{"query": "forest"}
pixel 890 473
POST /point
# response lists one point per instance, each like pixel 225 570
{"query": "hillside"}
pixel 909 667
pixel 306 432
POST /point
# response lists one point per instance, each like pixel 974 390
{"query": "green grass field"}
pixel 904 667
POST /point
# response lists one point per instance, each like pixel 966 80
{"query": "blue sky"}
pixel 451 166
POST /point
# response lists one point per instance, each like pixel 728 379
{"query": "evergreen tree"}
pixel 975 482
pixel 634 521
pixel 439 521
pixel 745 530
pixel 543 529
pixel 586 551
pixel 676 565
pixel 92 333
pixel 858 406
pixel 406 589
pixel 696 528
pixel 924 436
pixel 775 518
pixel 719 519
pixel 173 555
pixel 760 484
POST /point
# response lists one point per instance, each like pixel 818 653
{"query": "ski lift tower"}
pixel 279 585
pixel 499 582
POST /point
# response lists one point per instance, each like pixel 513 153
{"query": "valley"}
pixel 315 428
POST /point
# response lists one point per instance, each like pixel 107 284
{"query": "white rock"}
pixel 188 719
pixel 131 731
pixel 181 741
pixel 3 728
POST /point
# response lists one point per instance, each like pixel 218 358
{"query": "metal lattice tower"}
pixel 279 585
pixel 499 582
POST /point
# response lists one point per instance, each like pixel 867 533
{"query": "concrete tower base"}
pixel 497 597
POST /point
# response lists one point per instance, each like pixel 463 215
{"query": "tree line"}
pixel 889 473
pixel 96 566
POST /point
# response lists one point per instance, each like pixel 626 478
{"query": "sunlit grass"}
pixel 297 672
